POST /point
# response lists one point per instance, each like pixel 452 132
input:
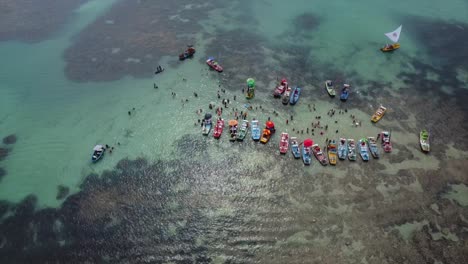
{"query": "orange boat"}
pixel 378 114
pixel 390 47
pixel 266 134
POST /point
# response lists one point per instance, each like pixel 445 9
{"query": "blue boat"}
pixel 342 149
pixel 363 149
pixel 345 92
pixel 98 153
pixel 294 97
pixel 296 151
pixel 207 124
pixel 255 130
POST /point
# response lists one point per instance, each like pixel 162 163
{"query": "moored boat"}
pixel 386 143
pixel 424 140
pixel 294 97
pixel 363 151
pixel 233 129
pixel 98 153
pixel 319 154
pixel 332 152
pixel 214 64
pixel 296 151
pixel 187 53
pixel 250 93
pixel 345 92
pixel 285 97
pixel 351 150
pixel 255 130
pixel 281 88
pixel 330 89
pixel 218 130
pixel 342 149
pixel 306 151
pixel 284 143
pixel 207 124
pixel 266 134
pixel 378 114
pixel 373 148
pixel 243 130
pixel 393 36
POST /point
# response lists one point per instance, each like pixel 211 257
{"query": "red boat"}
pixel 284 143
pixel 214 65
pixel 319 154
pixel 282 86
pixel 219 128
pixel 187 54
pixel 386 143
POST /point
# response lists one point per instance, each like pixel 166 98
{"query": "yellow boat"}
pixel 393 36
pixel 378 114
pixel 266 134
pixel 332 152
pixel 390 47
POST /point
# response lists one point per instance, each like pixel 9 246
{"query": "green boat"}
pixel 330 88
pixel 243 130
pixel 424 140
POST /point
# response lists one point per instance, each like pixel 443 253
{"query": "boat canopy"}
pixel 250 82
pixel 98 148
pixel 233 122
pixel 394 35
pixel 270 124
pixel 207 116
pixel 308 142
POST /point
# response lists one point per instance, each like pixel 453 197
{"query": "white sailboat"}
pixel 393 36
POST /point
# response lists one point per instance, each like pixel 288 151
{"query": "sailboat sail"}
pixel 394 35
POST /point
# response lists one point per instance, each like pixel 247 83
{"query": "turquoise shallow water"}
pixel 58 121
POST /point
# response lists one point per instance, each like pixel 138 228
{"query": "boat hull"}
pixel 295 94
pixel 390 48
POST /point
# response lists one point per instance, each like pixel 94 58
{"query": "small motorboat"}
pixel 266 134
pixel 243 130
pixel 332 152
pixel 250 88
pixel 159 69
pixel 214 64
pixel 306 151
pixel 373 148
pixel 281 88
pixel 319 154
pixel 207 124
pixel 218 130
pixel 345 92
pixel 294 97
pixel 285 97
pixel 386 143
pixel 378 114
pixel 187 53
pixel 330 88
pixel 98 153
pixel 233 129
pixel 393 36
pixel 424 140
pixel 342 149
pixel 284 143
pixel 255 130
pixel 363 151
pixel 351 150
pixel 296 151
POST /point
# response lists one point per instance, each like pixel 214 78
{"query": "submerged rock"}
pixel 3 153
pixel 62 192
pixel 2 173
pixel 10 139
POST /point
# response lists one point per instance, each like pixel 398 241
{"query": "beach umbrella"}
pixel 270 124
pixel 250 82
pixel 233 122
pixel 308 142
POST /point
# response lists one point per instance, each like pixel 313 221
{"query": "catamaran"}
pixel 393 36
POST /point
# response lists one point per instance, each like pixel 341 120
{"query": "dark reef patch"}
pixel 306 22
pixel 3 172
pixel 62 192
pixel 3 153
pixel 10 139
pixel 111 48
pixel 33 21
